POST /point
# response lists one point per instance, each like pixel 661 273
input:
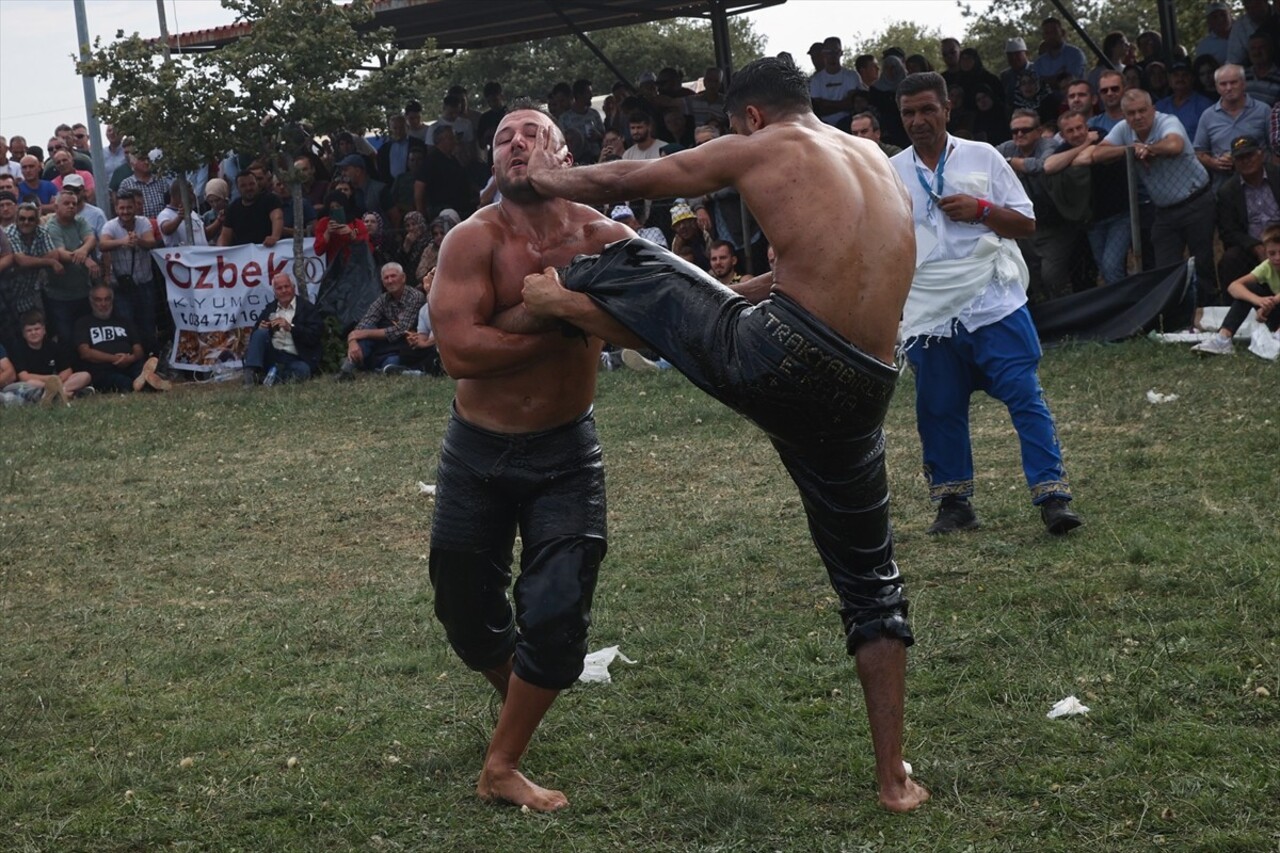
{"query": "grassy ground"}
pixel 217 631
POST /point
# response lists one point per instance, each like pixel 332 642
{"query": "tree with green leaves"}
pixel 911 37
pixel 303 64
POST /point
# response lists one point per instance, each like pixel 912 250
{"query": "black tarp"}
pixel 1145 301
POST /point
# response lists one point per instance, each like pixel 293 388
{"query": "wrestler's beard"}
pixel 518 189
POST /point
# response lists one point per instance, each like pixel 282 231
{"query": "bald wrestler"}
pixel 805 351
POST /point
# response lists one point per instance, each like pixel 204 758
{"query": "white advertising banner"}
pixel 215 294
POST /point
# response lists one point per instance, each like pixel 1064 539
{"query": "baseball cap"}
pixel 73 181
pixel 621 212
pixel 353 160
pixel 1179 66
pixel 1216 7
pixel 1014 45
pixel 1242 145
pixel 648 77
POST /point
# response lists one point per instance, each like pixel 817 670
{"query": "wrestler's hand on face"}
pixel 959 208
pixel 544 157
pixel 543 292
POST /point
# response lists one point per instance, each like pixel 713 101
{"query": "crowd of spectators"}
pixel 1204 127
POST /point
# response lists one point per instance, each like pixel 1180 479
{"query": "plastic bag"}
pixel 1264 343
pixel 595 668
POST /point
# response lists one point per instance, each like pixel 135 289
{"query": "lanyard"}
pixel 933 193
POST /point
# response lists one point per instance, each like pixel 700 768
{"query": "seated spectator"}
pixel 624 214
pixel 287 337
pixel 1247 203
pixel 413 243
pixel 1258 290
pixel 173 221
pixel 1262 78
pixel 646 146
pixel 1183 101
pixel 690 242
pixel 440 226
pixel 66 293
pixel 43 365
pixel 613 146
pixel 1034 93
pixel 378 340
pixel 375 227
pixel 400 200
pixel 1157 79
pixel 422 354
pixel 35 189
pixel 7 378
pixel 108 348
pixel 254 218
pixel 867 125
pixel 34 258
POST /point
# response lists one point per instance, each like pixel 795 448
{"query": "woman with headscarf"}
pixel 377 230
pixel 972 76
pixel 917 63
pixel 416 239
pixel 351 280
pixel 883 97
pixel 990 121
pixel 1032 93
pixel 440 226
pixel 1202 81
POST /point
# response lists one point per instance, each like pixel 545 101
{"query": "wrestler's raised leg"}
pixel 501 779
pixel 882 669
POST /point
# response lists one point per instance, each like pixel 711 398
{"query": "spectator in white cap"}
pixel 1218 17
pixel 92 214
pixel 1015 54
pixel 624 214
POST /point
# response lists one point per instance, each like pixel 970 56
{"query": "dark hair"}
pixel 639 117
pixel 922 81
pixel 562 89
pixel 1110 41
pixel 1080 81
pixel 775 84
pixel 344 201
pixel 493 87
pixel 863 61
pixel 1080 113
pixel 716 244
pixel 31 318
pixel 452 101
pixel 581 87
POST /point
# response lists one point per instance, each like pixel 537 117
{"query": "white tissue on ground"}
pixel 1154 396
pixel 1068 707
pixel 426 488
pixel 595 668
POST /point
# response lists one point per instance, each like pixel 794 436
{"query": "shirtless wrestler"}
pixel 805 351
pixel 520 452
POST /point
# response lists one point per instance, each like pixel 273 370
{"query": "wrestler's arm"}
pixel 755 289
pixel 692 172
pixel 546 296
pixel 463 304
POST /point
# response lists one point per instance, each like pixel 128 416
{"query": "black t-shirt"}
pixel 447 184
pixel 113 335
pixel 251 223
pixel 49 359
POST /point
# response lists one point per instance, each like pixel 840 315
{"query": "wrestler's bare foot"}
pixel 508 785
pixel 904 796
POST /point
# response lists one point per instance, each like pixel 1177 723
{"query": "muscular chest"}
pixel 518 257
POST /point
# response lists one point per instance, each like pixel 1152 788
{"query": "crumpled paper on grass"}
pixel 595 667
pixel 1154 396
pixel 1264 343
pixel 1068 707
pixel 428 489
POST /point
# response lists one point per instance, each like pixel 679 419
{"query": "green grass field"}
pixel 217 631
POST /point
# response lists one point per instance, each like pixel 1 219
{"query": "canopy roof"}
pixel 485 23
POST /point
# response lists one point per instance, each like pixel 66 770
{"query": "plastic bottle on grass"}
pixel 273 376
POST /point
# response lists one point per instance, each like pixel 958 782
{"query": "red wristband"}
pixel 984 210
